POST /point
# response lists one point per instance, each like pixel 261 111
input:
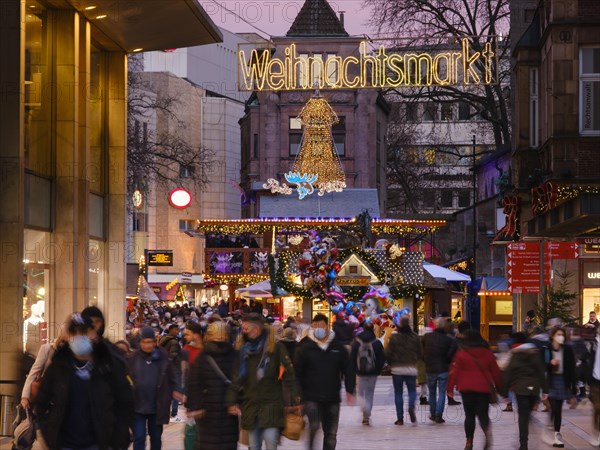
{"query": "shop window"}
pixel 97 272
pixel 589 97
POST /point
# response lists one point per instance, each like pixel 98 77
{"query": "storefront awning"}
pixel 447 274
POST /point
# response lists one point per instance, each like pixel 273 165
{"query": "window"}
pixel 186 225
pixel 339 136
pixel 295 134
pixel 589 84
pixel 186 171
pixel 429 198
pixel 464 111
pixel 430 112
pixel 255 145
pixel 140 222
pixel 446 198
pixel 411 112
pixel 464 198
pixel 447 111
pixel 533 108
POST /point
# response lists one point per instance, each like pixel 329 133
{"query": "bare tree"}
pixel 448 21
pixel 159 155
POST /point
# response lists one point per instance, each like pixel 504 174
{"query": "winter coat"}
pixel 438 351
pixel 167 382
pixel 290 346
pixel 403 349
pixel 589 358
pixel 320 371
pixel 344 332
pixel 106 395
pixel 473 369
pixel 263 399
pixel 366 337
pixel 524 374
pixel 217 430
pixel 568 368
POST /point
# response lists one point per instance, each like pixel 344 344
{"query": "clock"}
pixel 137 198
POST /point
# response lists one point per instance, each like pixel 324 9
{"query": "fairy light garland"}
pixel 237 279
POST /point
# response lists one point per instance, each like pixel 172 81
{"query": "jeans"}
pixel 411 386
pixel 366 391
pixel 258 435
pixel 436 384
pixel 327 415
pixel 475 404
pixel 139 432
pixel 525 404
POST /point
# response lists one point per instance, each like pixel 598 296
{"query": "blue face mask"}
pixel 320 333
pixel 80 346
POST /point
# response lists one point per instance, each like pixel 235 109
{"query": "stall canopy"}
pixel 496 285
pixel 447 274
pixel 261 289
pixel 145 292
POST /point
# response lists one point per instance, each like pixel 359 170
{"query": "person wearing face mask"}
pixel 321 363
pixel 77 404
pixel 263 371
pixel 560 370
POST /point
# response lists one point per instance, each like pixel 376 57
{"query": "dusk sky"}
pixel 275 17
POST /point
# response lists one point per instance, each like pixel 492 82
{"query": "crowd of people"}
pixel 244 373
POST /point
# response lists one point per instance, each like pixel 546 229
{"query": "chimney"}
pixel 342 17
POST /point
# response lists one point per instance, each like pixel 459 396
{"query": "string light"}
pixel 238 279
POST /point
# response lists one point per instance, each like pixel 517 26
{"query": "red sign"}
pixel 561 250
pixel 523 263
pixel 523 267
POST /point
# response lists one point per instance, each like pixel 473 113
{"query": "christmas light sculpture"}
pixel 317 164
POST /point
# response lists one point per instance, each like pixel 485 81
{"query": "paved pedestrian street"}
pixel 383 434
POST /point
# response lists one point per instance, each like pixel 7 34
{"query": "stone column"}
pixel 11 191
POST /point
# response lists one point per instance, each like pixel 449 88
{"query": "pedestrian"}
pixel 155 386
pixel 560 369
pixel 366 361
pixel 476 375
pixel 289 340
pixel 78 402
pixel 593 322
pixel 123 347
pixel 223 308
pixel 403 353
pixel 170 343
pixel 321 363
pixel 530 322
pixel 592 373
pixel 209 379
pixel 525 377
pixel 264 371
pixel 438 351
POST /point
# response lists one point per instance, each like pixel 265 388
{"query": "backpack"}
pixel 365 357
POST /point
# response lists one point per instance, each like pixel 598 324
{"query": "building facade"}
pixel 272 134
pixel 556 139
pixel 63 184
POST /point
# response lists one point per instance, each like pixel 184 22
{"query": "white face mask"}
pixel 560 339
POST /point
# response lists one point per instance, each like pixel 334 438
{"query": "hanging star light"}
pixel 317 164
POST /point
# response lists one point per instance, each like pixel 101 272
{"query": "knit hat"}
pixel 147 333
pixel 217 332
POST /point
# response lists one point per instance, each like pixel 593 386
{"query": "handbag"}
pixel 25 432
pixel 493 395
pixel 294 425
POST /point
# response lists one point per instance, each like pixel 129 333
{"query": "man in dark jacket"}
pixel 438 350
pixel 77 405
pixel 321 363
pixel 107 352
pixel 155 386
pixel 170 343
pixel 366 351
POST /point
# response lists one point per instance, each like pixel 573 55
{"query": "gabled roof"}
pixel 317 18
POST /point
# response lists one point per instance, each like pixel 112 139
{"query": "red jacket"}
pixel 467 376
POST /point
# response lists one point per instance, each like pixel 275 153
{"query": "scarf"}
pixel 253 347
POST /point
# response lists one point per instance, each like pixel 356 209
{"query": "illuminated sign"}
pixel 591 244
pixel 159 257
pixel 382 68
pixel 180 198
pixel 353 281
pixel 591 273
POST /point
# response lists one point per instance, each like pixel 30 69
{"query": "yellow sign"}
pixel 504 307
pixel 353 281
pixel 160 258
pixel 380 69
